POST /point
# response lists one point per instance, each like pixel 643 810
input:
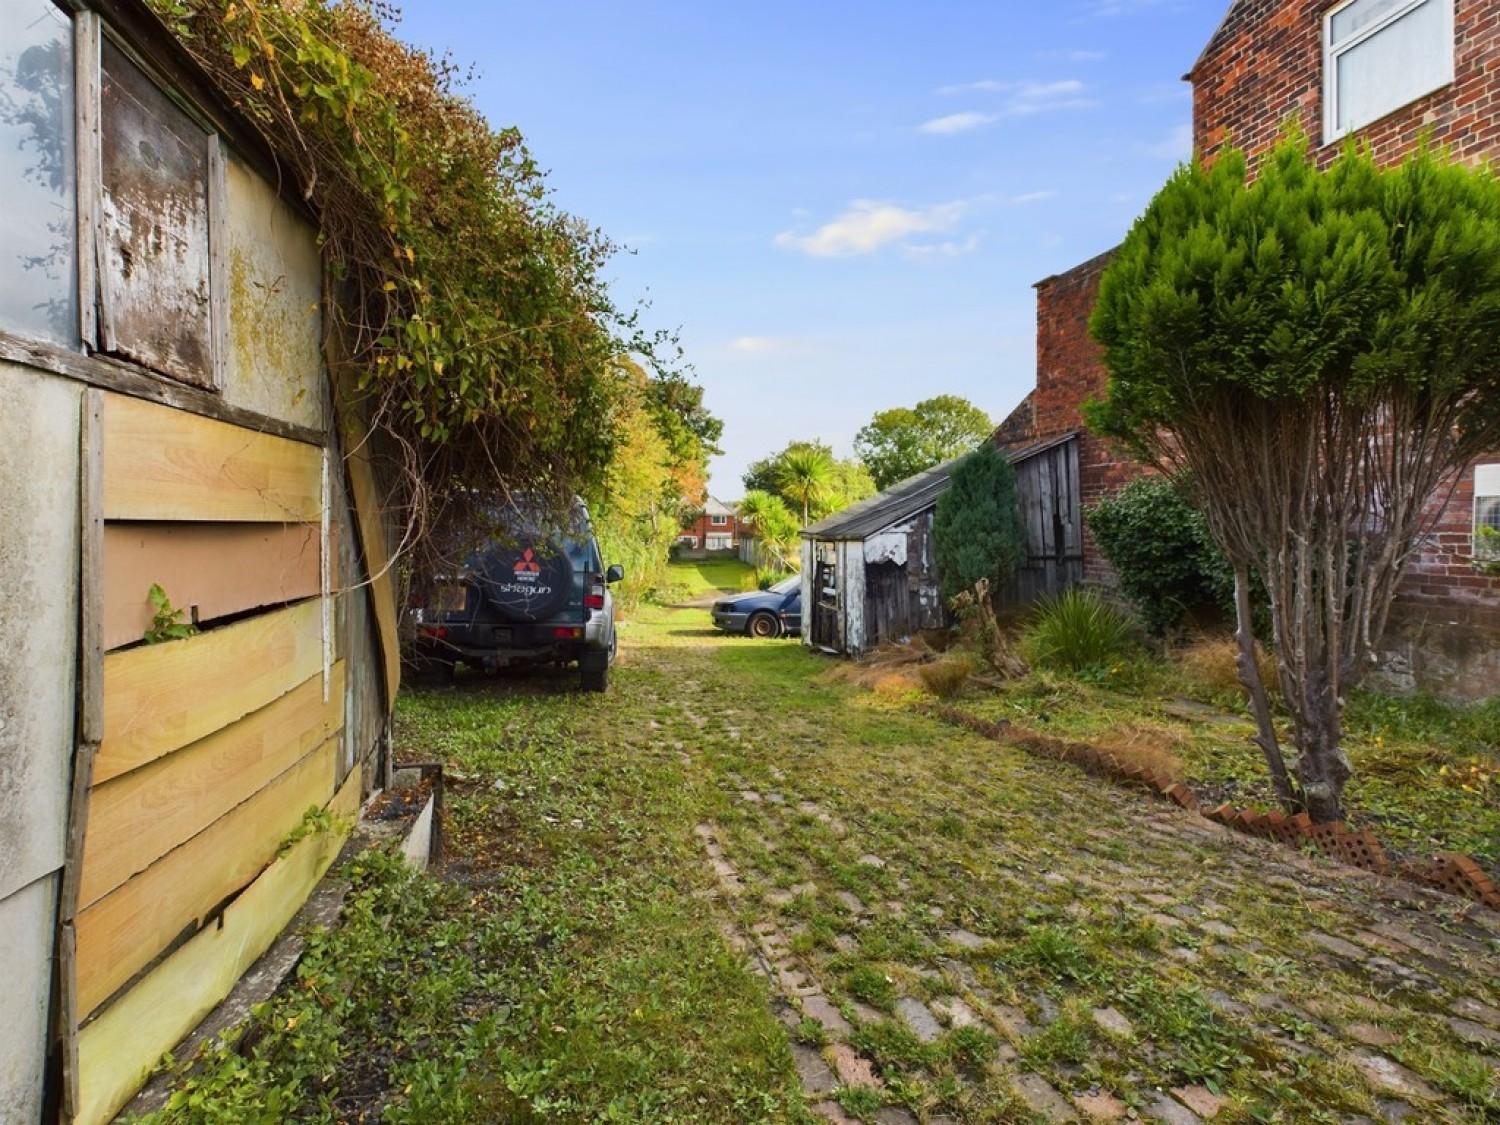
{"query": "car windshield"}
pixel 787 585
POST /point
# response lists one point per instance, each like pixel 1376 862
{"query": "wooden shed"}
pixel 869 572
pixel 169 422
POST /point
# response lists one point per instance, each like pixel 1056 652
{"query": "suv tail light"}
pixel 594 599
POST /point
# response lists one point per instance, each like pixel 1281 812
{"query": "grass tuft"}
pixel 945 679
pixel 1077 631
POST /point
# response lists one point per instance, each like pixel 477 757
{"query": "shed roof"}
pixel 903 500
pixel 906 498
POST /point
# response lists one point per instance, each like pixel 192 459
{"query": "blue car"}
pixel 763 613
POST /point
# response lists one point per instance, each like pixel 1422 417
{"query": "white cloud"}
pixel 947 249
pixel 987 86
pixel 957 122
pixel 868 225
pixel 1031 197
pixel 1017 99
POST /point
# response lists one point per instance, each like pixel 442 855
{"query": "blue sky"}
pixel 840 207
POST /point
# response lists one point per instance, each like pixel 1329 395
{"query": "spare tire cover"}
pixel 528 580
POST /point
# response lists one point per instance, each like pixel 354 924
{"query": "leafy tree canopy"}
pixel 977 530
pixel 809 470
pixel 479 340
pixel 902 442
pixel 1313 353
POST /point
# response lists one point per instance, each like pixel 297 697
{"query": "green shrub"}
pixel 977 531
pixel 1163 555
pixel 1077 631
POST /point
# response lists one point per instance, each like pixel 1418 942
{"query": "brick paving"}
pixel 1416 975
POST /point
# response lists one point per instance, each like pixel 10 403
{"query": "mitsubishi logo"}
pixel 528 563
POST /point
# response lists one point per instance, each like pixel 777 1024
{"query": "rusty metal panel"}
pixel 38 619
pixel 273 310
pixel 155 166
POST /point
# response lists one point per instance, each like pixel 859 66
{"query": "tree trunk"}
pixel 1322 766
pixel 1260 706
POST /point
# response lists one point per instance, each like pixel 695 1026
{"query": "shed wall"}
pixel 39 537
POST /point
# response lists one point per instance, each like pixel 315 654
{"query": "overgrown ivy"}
pixel 478 335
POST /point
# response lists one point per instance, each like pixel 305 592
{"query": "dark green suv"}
pixel 533 593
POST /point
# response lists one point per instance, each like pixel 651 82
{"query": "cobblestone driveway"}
pixel 955 931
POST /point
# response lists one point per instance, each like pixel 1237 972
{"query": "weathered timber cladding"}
pixel 169 1001
pixel 165 464
pixel 156 282
pixel 1048 495
pixel 210 570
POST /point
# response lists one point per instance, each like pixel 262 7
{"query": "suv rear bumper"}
pixel 498 645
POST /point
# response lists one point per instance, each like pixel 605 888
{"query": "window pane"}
pixel 155 168
pixel 38 287
pixel 1402 62
pixel 1359 15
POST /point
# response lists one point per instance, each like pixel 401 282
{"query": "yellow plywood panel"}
pixel 118 1049
pixel 166 464
pixel 139 817
pixel 369 516
pixel 124 931
pixel 162 697
pixel 217 569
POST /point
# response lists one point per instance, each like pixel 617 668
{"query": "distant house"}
pixel 870 573
pixel 1390 74
pixel 170 421
pixel 715 528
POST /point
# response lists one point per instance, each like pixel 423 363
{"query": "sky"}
pixel 838 207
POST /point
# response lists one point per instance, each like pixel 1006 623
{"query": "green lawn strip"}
pixel 1426 774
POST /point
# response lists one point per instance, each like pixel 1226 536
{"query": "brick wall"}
pixel 1070 370
pixel 1264 67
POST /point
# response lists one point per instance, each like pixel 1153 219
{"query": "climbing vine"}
pixel 476 339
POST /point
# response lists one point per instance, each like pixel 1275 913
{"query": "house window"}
pixel 718 521
pixel 1487 513
pixel 1379 55
pixel 161 183
pixel 38 259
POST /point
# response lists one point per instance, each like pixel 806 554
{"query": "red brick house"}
pixel 715 528
pixel 1390 74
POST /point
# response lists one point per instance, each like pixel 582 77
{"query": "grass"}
pixel 569 963
pixel 1426 774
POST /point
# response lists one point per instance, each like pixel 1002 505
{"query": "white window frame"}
pixel 1332 54
pixel 718 521
pixel 1486 495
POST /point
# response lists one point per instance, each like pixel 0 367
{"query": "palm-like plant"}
pixel 806 475
pixel 775 525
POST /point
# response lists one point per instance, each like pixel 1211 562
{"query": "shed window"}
pixel 158 167
pixel 1379 55
pixel 38 259
pixel 1487 513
